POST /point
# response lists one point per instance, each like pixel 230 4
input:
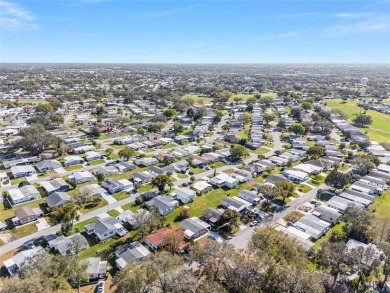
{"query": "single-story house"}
pixel 142 177
pixel 211 215
pixel 22 171
pixel 23 194
pixel 130 217
pixel 224 180
pixel 48 165
pixel 235 203
pixel 93 189
pixel 194 227
pixel 114 186
pixel 249 196
pixel 68 245
pixel 313 226
pixel 327 214
pixel 146 162
pixel 184 194
pixel 96 268
pixel 106 170
pixel 55 185
pixel 14 263
pixel 296 176
pixel 92 155
pixel 164 204
pixel 26 215
pixel 57 199
pixel 180 166
pixel 340 204
pixel 123 166
pixel 156 239
pixel 73 160
pixel 104 228
pixel 81 177
pixel 131 252
pixel 308 168
pixel 242 175
pixel 201 187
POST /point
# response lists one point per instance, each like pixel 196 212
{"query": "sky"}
pixel 207 31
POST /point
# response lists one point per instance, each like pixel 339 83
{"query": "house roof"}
pixel 57 199
pixel 131 252
pixel 102 225
pixel 157 237
pixel 95 266
pixel 48 164
pixel 194 225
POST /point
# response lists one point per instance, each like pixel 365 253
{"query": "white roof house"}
pixel 308 168
pixel 201 186
pixel 23 194
pixel 223 179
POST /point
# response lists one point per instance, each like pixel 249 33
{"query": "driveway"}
pixel 42 224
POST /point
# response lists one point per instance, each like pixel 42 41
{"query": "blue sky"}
pixel 224 31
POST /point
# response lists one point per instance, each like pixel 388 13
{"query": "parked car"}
pixel 100 286
pixel 254 223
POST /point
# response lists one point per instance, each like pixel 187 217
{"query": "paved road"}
pixel 53 229
pixel 16 243
pixel 335 136
pixel 241 239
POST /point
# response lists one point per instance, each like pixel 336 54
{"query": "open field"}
pixel 245 97
pixel 381 206
pixel 378 131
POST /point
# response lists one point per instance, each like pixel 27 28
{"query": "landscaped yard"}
pixel 24 230
pixel 293 216
pixel 379 129
pixel 381 206
pixel 316 180
pixel 304 188
pixel 121 195
pixel 90 207
pixel 196 170
pixel 150 150
pixel 114 156
pixel 96 162
pixel 245 97
pixel 181 175
pixel 74 167
pixel 168 146
pixel 113 213
pixel 218 164
pixel 260 151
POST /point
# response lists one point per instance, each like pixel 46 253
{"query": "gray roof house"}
pixel 23 194
pixel 163 204
pixel 55 185
pixel 142 177
pixel 235 203
pixel 211 215
pixel 57 199
pixel 194 227
pixel 131 252
pixel 93 189
pixel 96 268
pixel 69 245
pixel 249 196
pixel 14 263
pixel 48 165
pixel 22 170
pixel 327 214
pixel 313 226
pixel 104 228
pixel 184 194
pixel 81 177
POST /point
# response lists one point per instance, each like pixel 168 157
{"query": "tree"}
pixel 199 113
pixel 178 127
pixel 363 166
pixel 147 222
pixel 156 127
pixel 358 223
pixel 44 109
pixel 307 106
pixel 190 112
pixel 100 177
pixel 160 181
pixel 77 272
pixel 35 139
pixel 297 128
pixel 141 131
pixel 230 218
pixel 126 153
pixel 95 131
pixel 337 179
pixel 268 117
pixel 281 124
pixel 268 191
pixel 237 152
pixel 316 151
pixel 66 214
pixel 169 113
pixel 285 189
pixel 362 120
pixel 173 240
pixel 246 118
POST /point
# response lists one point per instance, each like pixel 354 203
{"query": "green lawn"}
pixel 181 175
pixel 113 213
pixel 315 181
pixel 80 226
pixel 74 167
pixel 103 136
pixel 168 146
pixel 96 162
pixel 245 132
pixel 150 150
pixel 196 170
pixel 114 156
pixel 121 195
pixel 260 151
pixel 145 187
pixel 245 97
pixel 381 206
pixel 24 230
pixel 131 206
pixel 379 129
pixel 304 188
pixel 336 228
pixel 28 101
pixel 218 164
pixel 197 99
pixel 211 199
pixel 88 208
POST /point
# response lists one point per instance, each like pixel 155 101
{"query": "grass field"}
pixel 378 131
pixel 245 97
pixel 197 99
pixel 168 146
pixel 74 167
pixel 381 206
pixel 28 101
pixel 96 162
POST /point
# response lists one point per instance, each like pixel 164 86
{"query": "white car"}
pixel 100 286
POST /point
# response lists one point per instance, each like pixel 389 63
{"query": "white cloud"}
pixel 352 15
pixel 15 17
pixel 169 12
